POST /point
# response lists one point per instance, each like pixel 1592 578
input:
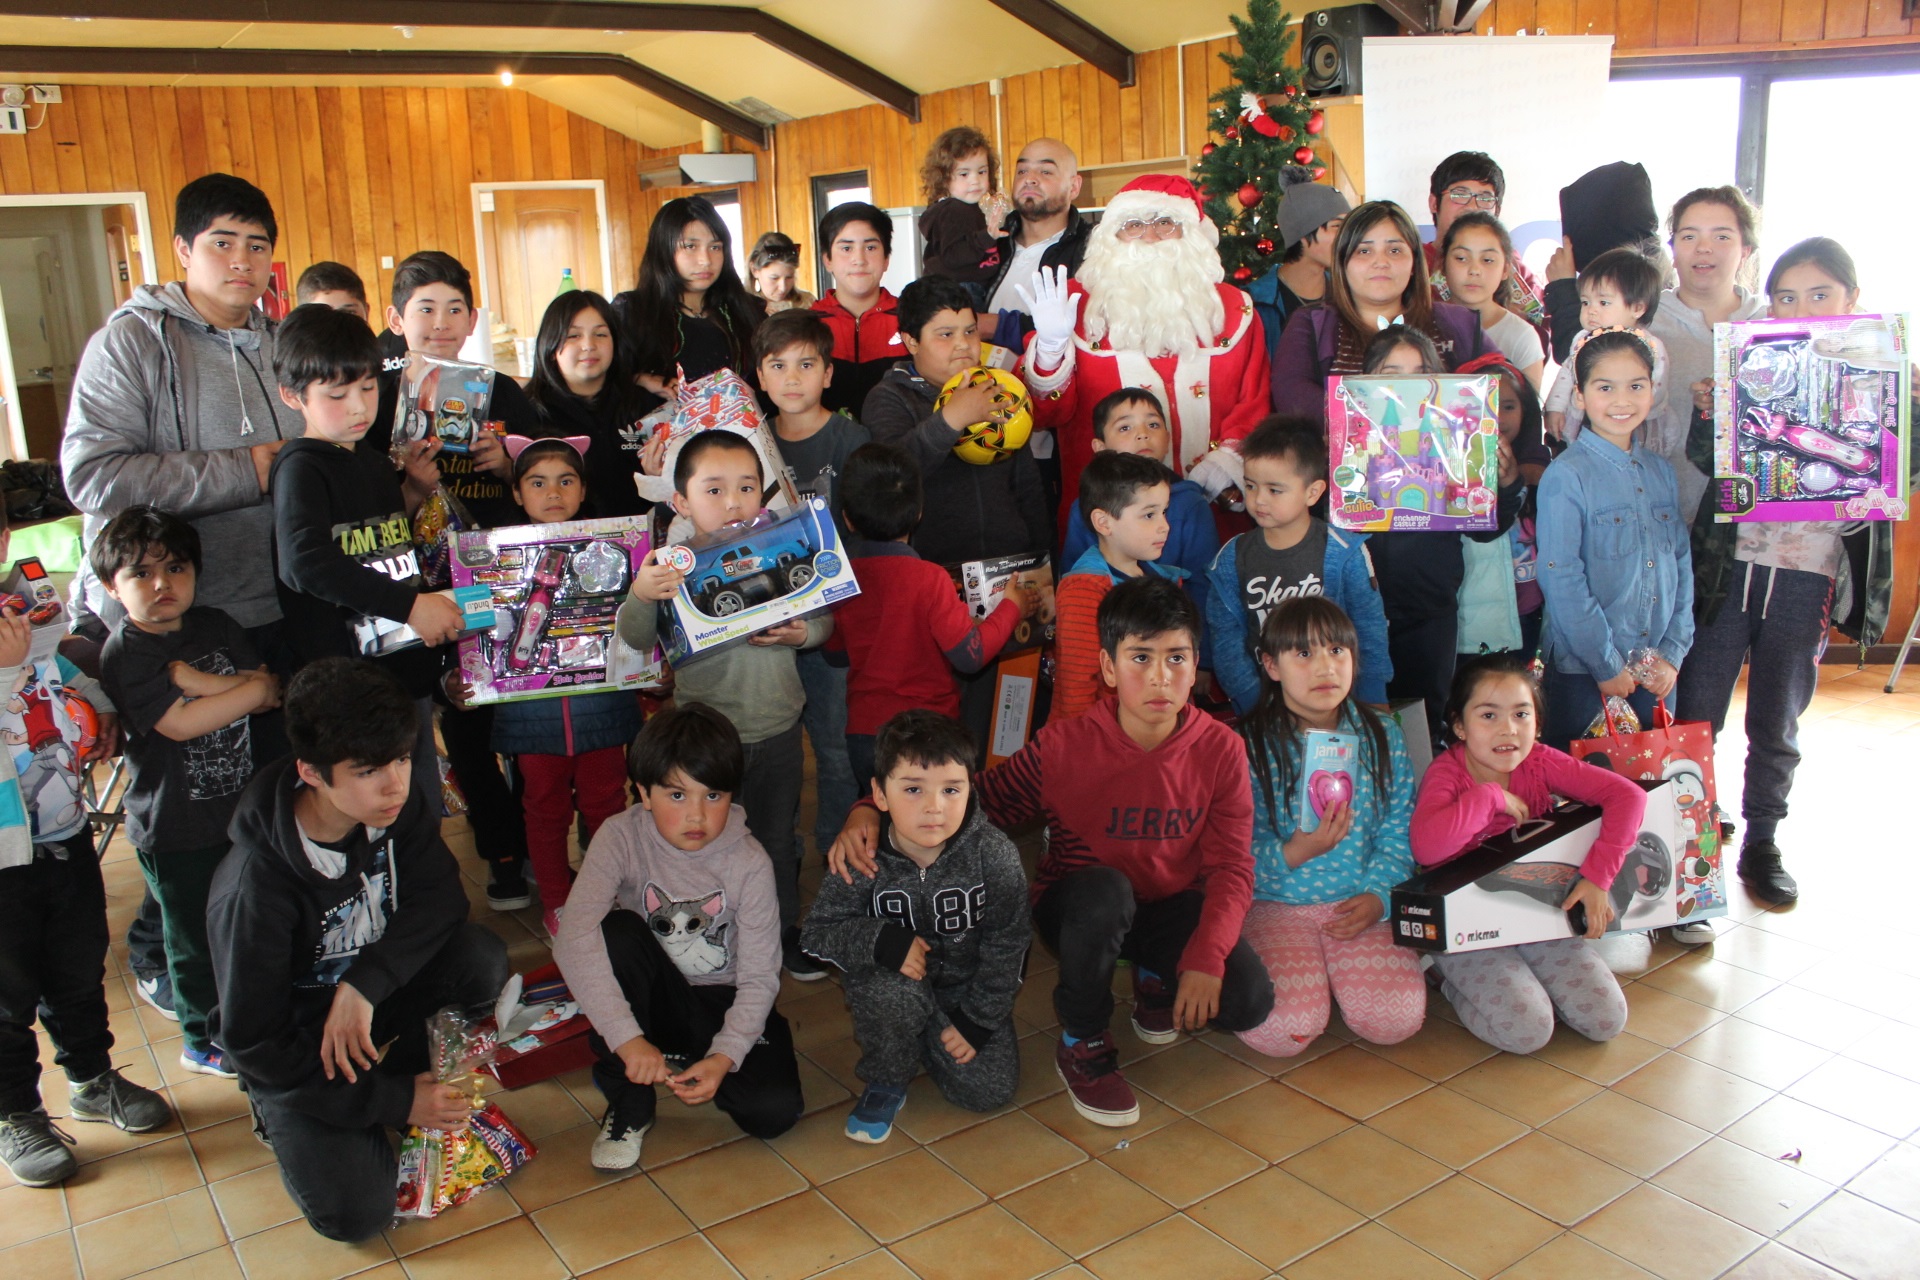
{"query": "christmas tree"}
pixel 1262 123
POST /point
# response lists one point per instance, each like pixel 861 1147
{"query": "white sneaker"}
pixel 618 1146
pixel 1694 933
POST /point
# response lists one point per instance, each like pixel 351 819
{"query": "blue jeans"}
pixel 825 720
pixel 1573 700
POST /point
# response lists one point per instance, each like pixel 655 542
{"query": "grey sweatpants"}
pixel 898 1022
pixel 1777 618
pixel 1508 995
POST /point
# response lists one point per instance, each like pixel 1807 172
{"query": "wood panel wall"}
pixel 355 174
pixel 1642 26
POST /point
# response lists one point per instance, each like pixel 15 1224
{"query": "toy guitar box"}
pixel 553 590
pixel 1509 888
pixel 1414 453
pixel 376 637
pixel 753 575
pixel 982 585
pixel 29 592
pixel 1811 418
pixel 1327 765
pixel 442 400
pixel 720 401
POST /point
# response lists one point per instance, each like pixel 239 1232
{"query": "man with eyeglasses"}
pixel 1471 182
pixel 1149 309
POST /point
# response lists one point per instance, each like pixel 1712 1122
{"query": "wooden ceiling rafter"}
pixel 1076 35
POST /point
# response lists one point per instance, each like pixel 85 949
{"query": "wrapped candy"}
pixel 442 1168
pixel 1617 716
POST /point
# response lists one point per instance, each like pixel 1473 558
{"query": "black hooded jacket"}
pixel 282 936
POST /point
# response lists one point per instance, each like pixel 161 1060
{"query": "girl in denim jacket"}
pixel 1614 562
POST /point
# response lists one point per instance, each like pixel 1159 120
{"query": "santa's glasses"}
pixel 1149 229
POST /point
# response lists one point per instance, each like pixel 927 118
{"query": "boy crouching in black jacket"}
pixel 932 944
pixel 338 924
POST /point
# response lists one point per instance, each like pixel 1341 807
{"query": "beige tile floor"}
pixel 1757 1119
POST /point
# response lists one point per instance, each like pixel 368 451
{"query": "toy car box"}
pixel 757 574
pixel 1508 889
pixel 444 400
pixel 376 637
pixel 1414 453
pixel 554 590
pixel 1811 419
pixel 982 585
pixel 29 592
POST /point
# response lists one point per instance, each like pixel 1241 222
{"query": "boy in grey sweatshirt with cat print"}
pixel 671 944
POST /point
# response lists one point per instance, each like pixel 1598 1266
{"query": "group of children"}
pixel 312 913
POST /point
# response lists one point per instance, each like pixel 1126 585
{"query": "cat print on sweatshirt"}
pixel 689 929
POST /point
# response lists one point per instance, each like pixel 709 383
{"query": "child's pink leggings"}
pixel 1382 995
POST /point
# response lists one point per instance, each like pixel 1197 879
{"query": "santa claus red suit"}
pixel 1152 312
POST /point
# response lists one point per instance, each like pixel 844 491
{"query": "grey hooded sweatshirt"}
pixel 165 410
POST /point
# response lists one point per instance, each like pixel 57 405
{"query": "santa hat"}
pixel 1166 193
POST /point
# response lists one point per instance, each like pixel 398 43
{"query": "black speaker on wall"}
pixel 1330 47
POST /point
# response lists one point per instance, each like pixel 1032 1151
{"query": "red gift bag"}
pixel 1683 753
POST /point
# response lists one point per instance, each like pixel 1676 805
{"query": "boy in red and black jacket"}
pixel 1149 811
pixel 856 241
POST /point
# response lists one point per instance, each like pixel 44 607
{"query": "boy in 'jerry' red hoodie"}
pixel 1149 809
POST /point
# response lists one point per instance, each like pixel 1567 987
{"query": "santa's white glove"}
pixel 1218 470
pixel 1053 309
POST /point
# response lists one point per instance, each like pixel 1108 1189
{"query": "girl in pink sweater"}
pixel 1494 776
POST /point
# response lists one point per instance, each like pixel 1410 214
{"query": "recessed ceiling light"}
pixel 506 79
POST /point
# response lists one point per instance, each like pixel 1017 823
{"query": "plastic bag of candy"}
pixel 441 1168
pixel 440 517
pixel 1617 716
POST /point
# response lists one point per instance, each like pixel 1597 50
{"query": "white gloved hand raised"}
pixel 1052 307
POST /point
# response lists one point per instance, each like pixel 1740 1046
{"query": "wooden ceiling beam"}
pixel 56 60
pixel 543 15
pixel 1076 35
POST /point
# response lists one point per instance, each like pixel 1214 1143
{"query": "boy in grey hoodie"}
pixel 173 404
pixel 671 944
pixel 932 942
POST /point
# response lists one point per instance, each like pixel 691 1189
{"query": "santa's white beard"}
pixel 1153 296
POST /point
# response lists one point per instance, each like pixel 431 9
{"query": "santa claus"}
pixel 1156 314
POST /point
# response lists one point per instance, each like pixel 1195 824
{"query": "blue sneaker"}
pixel 872 1117
pixel 207 1062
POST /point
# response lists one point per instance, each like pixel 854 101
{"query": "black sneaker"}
pixel 800 966
pixel 1761 870
pixel 111 1098
pixel 507 888
pixel 35 1150
pixel 157 990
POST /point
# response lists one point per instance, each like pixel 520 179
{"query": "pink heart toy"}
pixel 1327 790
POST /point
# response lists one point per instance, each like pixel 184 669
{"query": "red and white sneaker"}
pixel 1091 1070
pixel 1153 1009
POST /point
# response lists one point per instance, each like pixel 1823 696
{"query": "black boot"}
pixel 1761 869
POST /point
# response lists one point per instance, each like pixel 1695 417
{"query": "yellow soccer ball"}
pixel 985 443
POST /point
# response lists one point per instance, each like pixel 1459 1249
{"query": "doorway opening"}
pixel 66 262
pixel 534 237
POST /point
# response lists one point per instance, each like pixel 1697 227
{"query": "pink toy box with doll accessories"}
pixel 1508 889
pixel 1811 418
pixel 720 401
pixel 444 400
pixel 554 589
pixel 755 574
pixel 1414 453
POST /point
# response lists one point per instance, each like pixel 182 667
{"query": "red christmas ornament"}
pixel 1263 246
pixel 1319 172
pixel 1231 132
pixel 1243 274
pixel 1208 149
pixel 1286 133
pixel 1316 122
pixel 1249 196
pixel 1293 91
pixel 1303 156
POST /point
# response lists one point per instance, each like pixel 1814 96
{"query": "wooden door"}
pixel 536 235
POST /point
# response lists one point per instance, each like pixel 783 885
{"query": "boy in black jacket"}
pixel 932 942
pixel 342 520
pixel 338 924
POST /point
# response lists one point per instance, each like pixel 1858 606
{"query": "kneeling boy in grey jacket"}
pixel 932 943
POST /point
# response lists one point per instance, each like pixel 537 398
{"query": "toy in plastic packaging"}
pixel 1616 716
pixel 554 590
pixel 30 593
pixel 444 400
pixel 982 585
pixel 720 401
pixel 1414 453
pixel 440 517
pixel 1811 418
pixel 755 574
pixel 441 1168
pixel 1328 762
